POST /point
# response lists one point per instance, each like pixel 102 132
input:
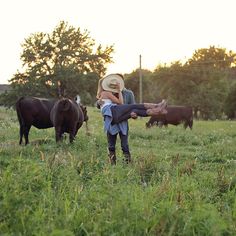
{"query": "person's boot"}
pixel 112 158
pixel 127 158
pixel 160 105
pixel 156 111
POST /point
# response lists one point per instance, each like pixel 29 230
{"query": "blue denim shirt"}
pixel 116 128
pixel 128 96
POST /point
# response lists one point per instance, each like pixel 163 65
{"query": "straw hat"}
pixel 109 83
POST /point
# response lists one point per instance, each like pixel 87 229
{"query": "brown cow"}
pixel 35 111
pixel 175 116
pixel 67 116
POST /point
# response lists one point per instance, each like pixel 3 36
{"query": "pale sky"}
pixel 162 31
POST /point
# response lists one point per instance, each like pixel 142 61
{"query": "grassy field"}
pixel 181 182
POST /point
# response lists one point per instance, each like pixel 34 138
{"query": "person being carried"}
pixel 128 98
pixel 116 113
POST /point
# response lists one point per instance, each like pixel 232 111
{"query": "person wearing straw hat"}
pixel 128 98
pixel 116 113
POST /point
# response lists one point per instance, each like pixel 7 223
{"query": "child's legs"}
pixel 122 112
pixel 126 116
pixel 139 112
pixel 127 108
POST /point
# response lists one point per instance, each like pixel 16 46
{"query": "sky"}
pixel 161 31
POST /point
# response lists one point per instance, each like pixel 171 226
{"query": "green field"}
pixel 181 182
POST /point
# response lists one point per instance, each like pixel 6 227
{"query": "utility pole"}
pixel 140 80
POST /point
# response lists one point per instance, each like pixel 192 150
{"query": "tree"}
pixel 230 104
pixel 211 68
pixel 213 57
pixel 65 62
pixel 173 83
pixel 202 82
pixel 132 82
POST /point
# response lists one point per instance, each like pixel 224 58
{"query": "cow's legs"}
pixel 21 134
pixel 185 125
pixel 73 133
pixel 25 131
pixel 58 133
pixel 191 124
pixel 72 137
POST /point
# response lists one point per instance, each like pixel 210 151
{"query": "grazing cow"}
pixel 67 116
pixel 35 111
pixel 175 115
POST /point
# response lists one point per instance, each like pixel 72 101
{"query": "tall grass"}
pixel 181 182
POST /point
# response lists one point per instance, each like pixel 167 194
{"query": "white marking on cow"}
pixel 77 99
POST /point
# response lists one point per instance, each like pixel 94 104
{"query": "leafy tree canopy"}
pixel 213 57
pixel 230 103
pixel 65 62
pixel 202 82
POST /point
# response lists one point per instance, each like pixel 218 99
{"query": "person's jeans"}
pixel 112 143
pixel 123 112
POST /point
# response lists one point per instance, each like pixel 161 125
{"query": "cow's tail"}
pixel 64 104
pixel 20 118
pixel 18 111
pixel 191 119
pixel 190 123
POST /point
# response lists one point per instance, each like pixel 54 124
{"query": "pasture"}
pixel 181 182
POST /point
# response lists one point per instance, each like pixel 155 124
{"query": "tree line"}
pixel 67 62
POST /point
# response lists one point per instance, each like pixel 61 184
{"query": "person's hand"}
pixel 133 115
pixel 100 102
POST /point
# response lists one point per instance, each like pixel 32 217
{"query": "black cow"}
pixel 175 116
pixel 67 116
pixel 34 111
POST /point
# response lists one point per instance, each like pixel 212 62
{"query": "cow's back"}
pixel 66 113
pixel 66 116
pixel 34 111
pixel 179 114
pixel 175 115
